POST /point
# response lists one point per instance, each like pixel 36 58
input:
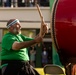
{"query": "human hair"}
pixel 11 20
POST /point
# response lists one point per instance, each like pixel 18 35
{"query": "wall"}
pixel 29 16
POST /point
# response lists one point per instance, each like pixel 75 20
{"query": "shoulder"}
pixel 8 36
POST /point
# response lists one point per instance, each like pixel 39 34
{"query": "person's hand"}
pixel 44 29
pixel 38 39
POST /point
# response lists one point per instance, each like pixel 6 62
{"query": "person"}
pixel 44 3
pixel 74 69
pixel 6 3
pixel 14 51
pixel 44 57
pixel 32 56
pixel 21 3
pixel 49 55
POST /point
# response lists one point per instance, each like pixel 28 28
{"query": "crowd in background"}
pixel 46 56
pixel 23 3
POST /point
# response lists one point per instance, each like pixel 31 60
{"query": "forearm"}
pixel 19 45
pixel 25 44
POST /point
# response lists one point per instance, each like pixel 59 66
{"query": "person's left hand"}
pixel 44 29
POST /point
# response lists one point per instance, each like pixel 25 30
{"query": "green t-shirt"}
pixel 7 53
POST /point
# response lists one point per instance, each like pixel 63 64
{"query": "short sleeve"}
pixel 7 42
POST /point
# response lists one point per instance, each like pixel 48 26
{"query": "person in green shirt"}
pixel 14 49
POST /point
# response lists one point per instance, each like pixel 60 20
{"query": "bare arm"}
pixel 19 45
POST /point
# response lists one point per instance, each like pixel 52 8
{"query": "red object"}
pixel 64 29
